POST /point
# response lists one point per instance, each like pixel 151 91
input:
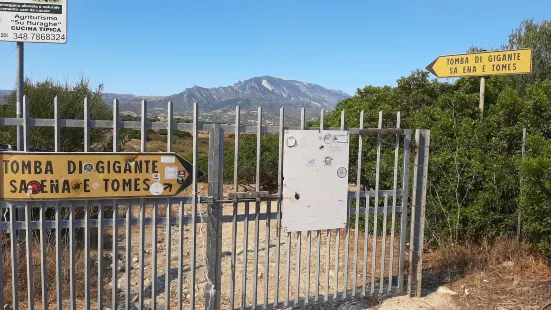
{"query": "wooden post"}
pixel 482 93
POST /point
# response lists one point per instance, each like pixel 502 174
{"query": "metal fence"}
pixel 82 254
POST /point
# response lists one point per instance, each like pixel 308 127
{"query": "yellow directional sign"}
pixel 56 176
pixel 483 64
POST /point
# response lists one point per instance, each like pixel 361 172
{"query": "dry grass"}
pixel 503 274
pixel 51 282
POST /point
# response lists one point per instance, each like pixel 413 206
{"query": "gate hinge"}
pixel 414 149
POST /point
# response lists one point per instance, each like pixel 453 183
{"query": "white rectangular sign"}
pixel 315 179
pixel 33 21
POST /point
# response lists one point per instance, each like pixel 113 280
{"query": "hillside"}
pixel 270 93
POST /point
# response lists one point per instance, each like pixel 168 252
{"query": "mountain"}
pixel 269 92
pixel 217 104
pixel 3 95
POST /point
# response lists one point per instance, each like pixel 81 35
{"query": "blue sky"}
pixel 162 47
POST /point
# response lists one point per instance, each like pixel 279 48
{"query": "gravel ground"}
pixel 292 270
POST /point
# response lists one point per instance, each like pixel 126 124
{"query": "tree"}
pixel 41 97
pixel 536 36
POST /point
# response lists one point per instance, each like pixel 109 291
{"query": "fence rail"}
pixel 202 241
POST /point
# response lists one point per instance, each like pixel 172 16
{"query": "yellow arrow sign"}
pixel 56 176
pixel 483 64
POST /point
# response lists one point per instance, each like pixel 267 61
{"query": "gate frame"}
pixel 215 198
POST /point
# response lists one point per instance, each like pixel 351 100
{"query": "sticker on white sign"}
pixel 171 172
pixel 33 21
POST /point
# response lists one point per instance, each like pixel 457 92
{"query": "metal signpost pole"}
pixel 19 109
pixel 20 90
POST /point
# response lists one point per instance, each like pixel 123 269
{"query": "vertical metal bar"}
pixel 100 257
pixel 57 127
pixel 299 234
pixel 366 243
pixel 30 278
pixel 20 91
pixel 26 128
pixel 116 125
pixel 383 249
pixel 267 246
pixel 143 149
pixel 141 294
pixel 14 269
pixel 279 191
pixel 115 257
pixel 235 206
pixel 394 198
pixel 194 203
pixel 302 119
pixel 257 205
pixel 358 192
pixel 86 126
pixel 327 264
pixel 58 255
pixel 20 105
pixel 318 263
pixel 180 255
pixel 338 237
pixel 288 270
pixel 376 210
pixel 87 254
pixel 168 245
pixel 267 254
pixel 115 254
pixel 422 141
pixel 86 210
pixel 154 255
pixel 57 148
pixel 169 126
pixel 168 237
pixel 403 213
pixel 72 261
pixel 143 129
pixel 308 255
pixel 245 260
pixel 43 262
pixel 129 255
pixel 347 249
pixel 299 248
pixel 318 258
pixel 214 219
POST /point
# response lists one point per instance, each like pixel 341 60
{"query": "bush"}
pixel 181 134
pixel 536 193
pixel 71 101
pixel 268 161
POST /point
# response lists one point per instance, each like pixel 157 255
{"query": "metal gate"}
pixel 219 246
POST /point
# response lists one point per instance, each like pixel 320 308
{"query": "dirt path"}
pixel 432 301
